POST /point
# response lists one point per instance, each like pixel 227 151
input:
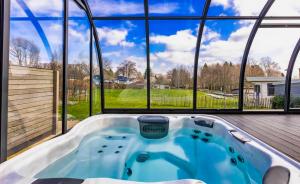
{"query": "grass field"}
pixel 160 98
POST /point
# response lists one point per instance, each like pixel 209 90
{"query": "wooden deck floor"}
pixel 282 132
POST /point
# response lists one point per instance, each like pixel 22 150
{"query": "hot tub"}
pixel 155 148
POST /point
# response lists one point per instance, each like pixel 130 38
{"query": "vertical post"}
pixel 4 59
pixel 91 70
pixel 288 79
pixel 55 101
pixel 98 50
pixel 148 70
pixel 65 66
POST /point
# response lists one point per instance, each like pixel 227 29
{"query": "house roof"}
pixel 265 79
pixel 296 81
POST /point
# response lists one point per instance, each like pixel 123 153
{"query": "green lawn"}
pixel 160 98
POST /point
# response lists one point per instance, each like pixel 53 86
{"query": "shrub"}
pixel 278 102
pixel 295 102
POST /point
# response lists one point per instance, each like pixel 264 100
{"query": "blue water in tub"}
pixel 122 153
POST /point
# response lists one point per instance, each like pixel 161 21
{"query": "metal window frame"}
pixel 65 67
pixel 197 52
pixel 91 71
pixel 4 59
pixel 148 69
pixel 288 80
pixel 247 50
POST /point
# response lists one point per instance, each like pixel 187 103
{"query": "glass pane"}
pixel 236 8
pixel 221 51
pixel 176 7
pixel 78 67
pixel 106 8
pixel 295 86
pixel 285 8
pixel 124 60
pixel 35 65
pixel 96 83
pixel 172 53
pixel 266 68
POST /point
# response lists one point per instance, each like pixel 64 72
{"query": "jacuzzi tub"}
pixel 120 149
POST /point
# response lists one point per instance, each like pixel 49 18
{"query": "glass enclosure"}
pixel 124 56
pixel 35 73
pixel 172 53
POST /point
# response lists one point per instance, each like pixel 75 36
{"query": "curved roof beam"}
pixel 289 76
pixel 196 60
pixel 98 49
pixel 37 26
pixel 257 24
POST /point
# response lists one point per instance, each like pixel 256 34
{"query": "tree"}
pixel 107 70
pixel 127 69
pixel 25 52
pixel 270 67
pixel 180 77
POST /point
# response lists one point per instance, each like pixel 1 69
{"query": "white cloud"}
pixel 141 62
pixel 183 40
pixel 210 35
pixel 285 8
pixel 277 44
pixel 230 49
pixel 114 37
pixel 179 50
pixel 253 7
pixel 163 8
pixel 112 7
pixel 224 3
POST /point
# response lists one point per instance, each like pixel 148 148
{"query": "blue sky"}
pixel 172 42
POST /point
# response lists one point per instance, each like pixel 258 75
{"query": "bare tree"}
pixel 107 69
pixel 179 77
pixel 270 67
pixel 127 69
pixel 24 52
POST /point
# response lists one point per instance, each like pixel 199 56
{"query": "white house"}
pixel 263 87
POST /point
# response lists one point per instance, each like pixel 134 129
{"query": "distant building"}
pixel 263 87
pixel 161 86
pixel 279 88
pixel 268 87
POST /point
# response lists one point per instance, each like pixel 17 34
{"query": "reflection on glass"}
pixel 78 66
pixel 106 8
pixel 176 7
pixel 96 83
pixel 295 86
pixel 219 63
pixel 172 53
pixel 35 65
pixel 236 8
pixel 124 63
pixel 266 68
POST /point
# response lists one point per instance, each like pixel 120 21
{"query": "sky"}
pixel 172 42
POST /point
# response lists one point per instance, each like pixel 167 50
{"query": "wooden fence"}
pixel 203 102
pixel 32 106
pixel 258 103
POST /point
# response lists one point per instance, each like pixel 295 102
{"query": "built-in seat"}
pixel 58 181
pixel 277 175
